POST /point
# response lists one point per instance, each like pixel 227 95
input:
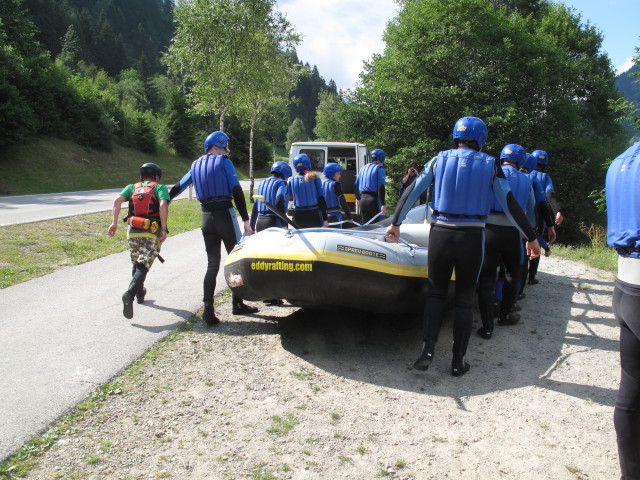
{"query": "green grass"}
pixel 31 250
pixel 48 165
pixel 281 426
pixel 602 257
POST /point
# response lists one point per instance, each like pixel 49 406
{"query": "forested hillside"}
pixel 92 72
pixel 111 34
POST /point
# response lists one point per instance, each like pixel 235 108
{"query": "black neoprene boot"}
pixel 459 367
pixel 127 305
pixel 242 308
pixel 208 315
pixel 509 319
pixel 426 355
pixel 141 294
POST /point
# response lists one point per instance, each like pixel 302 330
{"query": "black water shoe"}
pixel 426 356
pixel 484 333
pixel 208 316
pixel 510 319
pixel 459 368
pixel 243 309
pixel 127 305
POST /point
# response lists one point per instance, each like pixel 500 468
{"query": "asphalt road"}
pixel 33 208
pixel 62 335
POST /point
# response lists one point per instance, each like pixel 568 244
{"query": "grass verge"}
pixel 32 250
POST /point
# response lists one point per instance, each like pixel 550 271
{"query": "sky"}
pixel 339 35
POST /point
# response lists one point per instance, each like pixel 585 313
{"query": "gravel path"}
pixel 297 394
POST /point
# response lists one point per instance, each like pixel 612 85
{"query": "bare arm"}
pixel 164 215
pixel 115 212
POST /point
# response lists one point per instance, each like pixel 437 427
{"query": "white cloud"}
pixel 337 36
pixel 628 63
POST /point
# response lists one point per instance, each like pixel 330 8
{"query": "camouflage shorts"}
pixel 144 250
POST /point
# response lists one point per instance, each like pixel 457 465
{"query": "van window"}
pixel 316 156
pixel 344 156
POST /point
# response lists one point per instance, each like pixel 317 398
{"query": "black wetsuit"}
pixel 502 246
pixel 458 245
pixel 626 415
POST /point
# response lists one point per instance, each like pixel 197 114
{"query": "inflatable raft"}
pixel 330 268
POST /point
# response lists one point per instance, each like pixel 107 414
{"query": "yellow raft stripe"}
pixel 328 256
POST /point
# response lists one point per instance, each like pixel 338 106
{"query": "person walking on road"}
pixel 216 184
pixel 370 187
pixel 623 233
pixel 147 220
pixel 464 179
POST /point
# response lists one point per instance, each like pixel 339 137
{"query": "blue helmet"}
pixel 331 169
pixel 541 156
pixel 301 162
pixel 530 163
pixel 378 155
pixel 282 167
pixel 219 139
pixel 514 153
pixel 470 128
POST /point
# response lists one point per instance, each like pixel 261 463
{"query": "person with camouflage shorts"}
pixel 147 220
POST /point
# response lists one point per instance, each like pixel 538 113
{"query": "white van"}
pixel 352 157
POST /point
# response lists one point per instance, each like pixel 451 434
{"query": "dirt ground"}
pixel 297 394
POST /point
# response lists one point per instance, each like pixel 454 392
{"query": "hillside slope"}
pixel 50 166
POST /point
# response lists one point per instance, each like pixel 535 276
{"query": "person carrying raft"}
pixel 465 180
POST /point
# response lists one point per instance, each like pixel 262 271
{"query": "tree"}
pixel 180 131
pixel 331 119
pixel 70 49
pixel 215 49
pixel 265 93
pixel 542 82
pixel 296 133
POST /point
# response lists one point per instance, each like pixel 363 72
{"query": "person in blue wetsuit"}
pixel 274 191
pixel 542 160
pixel 305 189
pixel 541 219
pixel 216 184
pixel 622 189
pixel 463 181
pixel 332 188
pixel 503 246
pixel 370 187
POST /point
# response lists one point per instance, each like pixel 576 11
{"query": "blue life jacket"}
pixel 210 179
pixel 368 178
pixel 330 194
pixel 463 185
pixel 544 179
pixel 538 189
pixel 520 184
pixel 269 189
pixel 622 189
pixel 305 194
